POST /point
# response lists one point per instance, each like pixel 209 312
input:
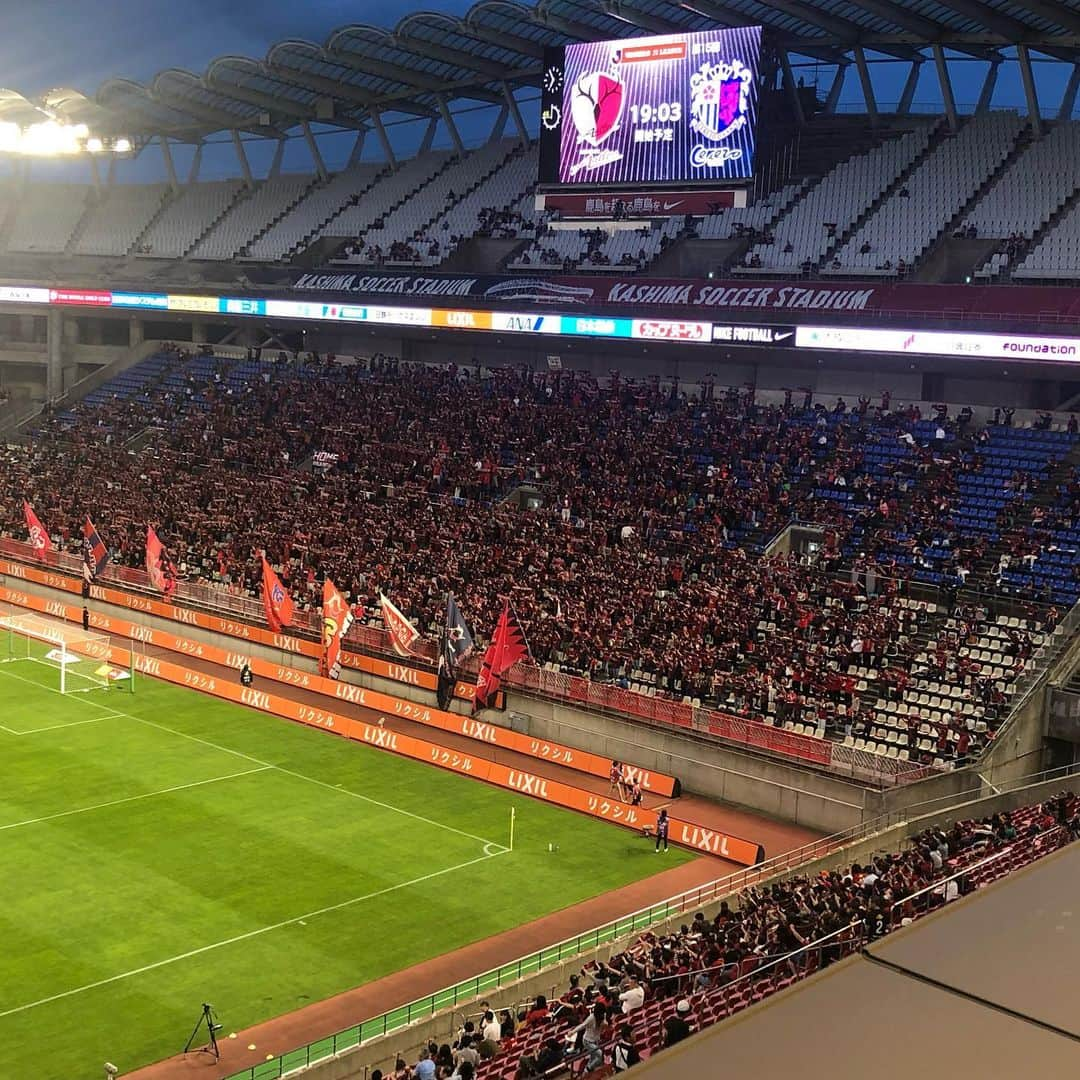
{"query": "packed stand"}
pixel 641 567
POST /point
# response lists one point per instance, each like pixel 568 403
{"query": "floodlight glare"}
pixel 52 137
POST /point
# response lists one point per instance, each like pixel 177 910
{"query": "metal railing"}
pixel 216 599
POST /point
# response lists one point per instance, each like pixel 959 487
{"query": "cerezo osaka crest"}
pixel 720 99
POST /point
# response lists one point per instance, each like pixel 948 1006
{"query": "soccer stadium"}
pixel 540 539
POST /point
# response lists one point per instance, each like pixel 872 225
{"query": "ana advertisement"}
pixel 660 110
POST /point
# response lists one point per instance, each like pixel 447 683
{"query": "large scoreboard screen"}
pixel 676 109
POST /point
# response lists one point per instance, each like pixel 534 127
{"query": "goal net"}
pixel 78 659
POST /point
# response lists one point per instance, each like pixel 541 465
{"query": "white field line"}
pixel 60 727
pixel 246 937
pixel 289 772
pixel 109 715
pixel 129 799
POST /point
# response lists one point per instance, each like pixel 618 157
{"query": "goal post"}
pixel 78 658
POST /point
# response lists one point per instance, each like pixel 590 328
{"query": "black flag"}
pixel 456 646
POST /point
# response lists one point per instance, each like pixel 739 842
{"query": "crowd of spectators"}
pixel 665 986
pixel 594 251
pixel 642 557
pixel 507 223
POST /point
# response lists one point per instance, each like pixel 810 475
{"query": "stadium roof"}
pixel 430 59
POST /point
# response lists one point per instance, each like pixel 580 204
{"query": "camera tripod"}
pixel 212 1028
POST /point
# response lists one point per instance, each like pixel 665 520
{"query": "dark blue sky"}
pixel 81 43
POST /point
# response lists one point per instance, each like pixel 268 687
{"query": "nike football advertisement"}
pixel 659 110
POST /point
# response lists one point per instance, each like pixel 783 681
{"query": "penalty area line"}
pixel 130 799
pixel 61 727
pixel 245 937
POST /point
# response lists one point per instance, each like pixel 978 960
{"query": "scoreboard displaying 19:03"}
pixel 678 109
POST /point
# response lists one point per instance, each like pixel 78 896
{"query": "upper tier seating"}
pixel 748 220
pixel 625 249
pixel 409 221
pixel 116 217
pixel 502 191
pixel 913 216
pixel 187 217
pixel 838 200
pixel 1029 193
pixel 46 217
pixel 250 215
pixel 1057 255
pixel 393 189
pixel 318 206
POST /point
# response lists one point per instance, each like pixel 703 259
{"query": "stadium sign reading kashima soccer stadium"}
pixel 376 285
pixel 596 290
pixel 593 322
pixel 1022 305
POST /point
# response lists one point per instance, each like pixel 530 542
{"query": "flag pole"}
pixel 513 611
pixel 513 815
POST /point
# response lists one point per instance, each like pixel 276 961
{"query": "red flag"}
pixel 39 538
pixel 337 617
pixel 507 647
pixel 159 566
pixel 278 603
pixel 402 633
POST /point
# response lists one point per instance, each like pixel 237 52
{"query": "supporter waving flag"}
pixel 456 645
pixel 337 617
pixel 39 537
pixel 278 603
pixel 95 553
pixel 508 646
pixel 403 634
pixel 159 566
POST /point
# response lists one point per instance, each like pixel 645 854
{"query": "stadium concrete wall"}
pixel 381 1052
pixel 704 766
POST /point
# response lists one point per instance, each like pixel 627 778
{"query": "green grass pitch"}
pixel 165 848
